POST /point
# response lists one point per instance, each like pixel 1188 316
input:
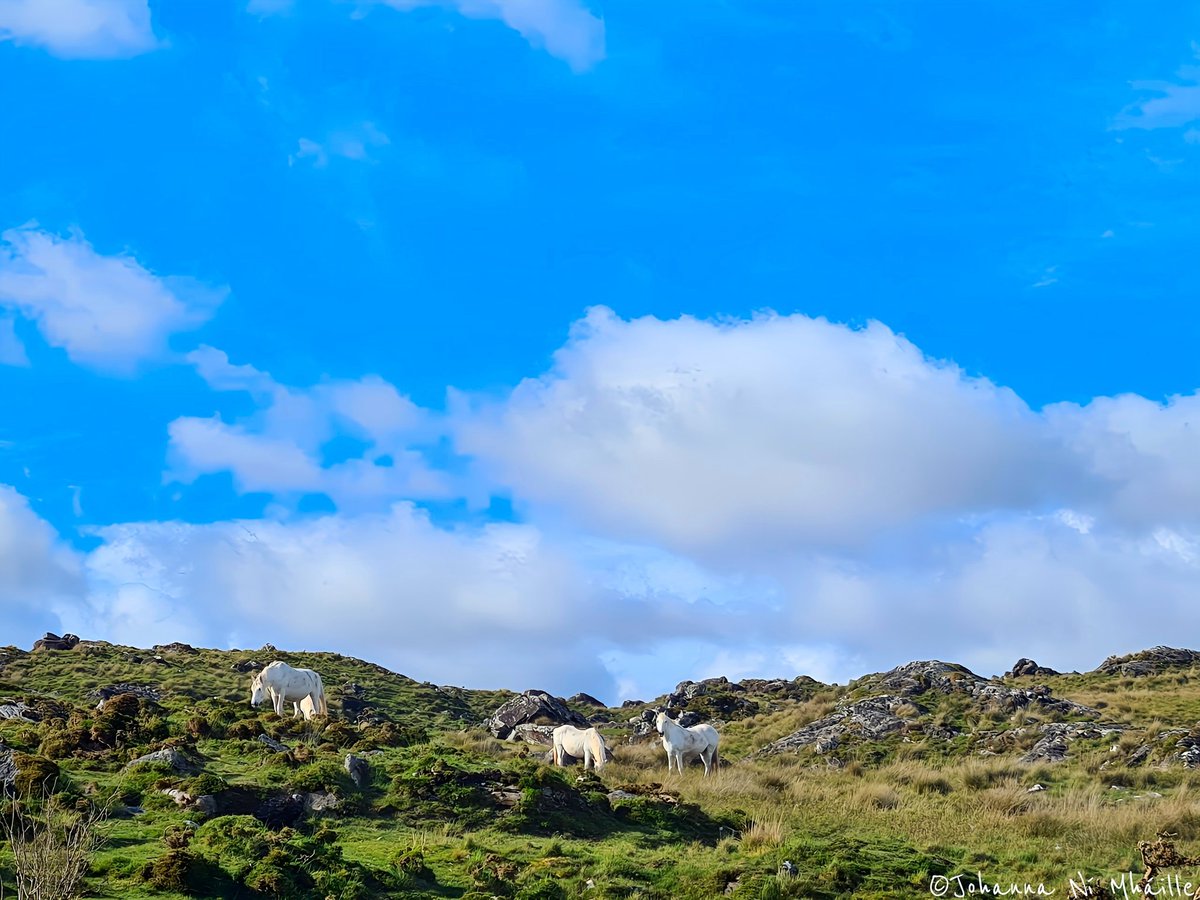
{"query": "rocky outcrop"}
pixel 534 734
pixel 871 719
pixel 1026 667
pixel 531 708
pixel 51 641
pixel 916 678
pixel 141 691
pixel 585 700
pixel 246 665
pixel 175 647
pixel 1149 662
pixel 168 757
pixel 271 744
pixel 1054 744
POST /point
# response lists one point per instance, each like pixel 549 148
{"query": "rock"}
pixel 870 719
pixel 175 647
pixel 321 801
pixel 1056 738
pixel 621 795
pixel 358 769
pixel 8 768
pixel 1149 662
pixel 688 719
pixel 532 708
pixel 169 757
pixel 1025 667
pixel 51 641
pixel 143 691
pixel 1035 789
pixel 15 709
pixel 246 665
pixel 1138 756
pixel 585 700
pixel 181 797
pixel 207 804
pixel 534 734
pixel 630 704
pixel 271 744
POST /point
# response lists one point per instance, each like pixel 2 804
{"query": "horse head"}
pixel 660 721
pixel 258 693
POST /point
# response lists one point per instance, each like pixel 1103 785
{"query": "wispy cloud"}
pixel 107 312
pixel 79 29
pixel 1175 103
pixel 354 144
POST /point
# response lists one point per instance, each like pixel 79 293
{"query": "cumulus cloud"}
pixel 279 450
pixel 567 29
pixel 107 312
pixel 39 575
pixel 746 436
pixel 12 351
pixel 79 29
pixel 498 605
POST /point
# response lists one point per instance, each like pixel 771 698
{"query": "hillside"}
pixel 873 789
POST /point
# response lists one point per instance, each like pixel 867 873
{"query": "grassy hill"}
pixel 879 788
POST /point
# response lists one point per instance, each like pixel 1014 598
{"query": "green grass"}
pixel 430 823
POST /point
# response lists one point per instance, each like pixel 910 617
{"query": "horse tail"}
pixel 321 704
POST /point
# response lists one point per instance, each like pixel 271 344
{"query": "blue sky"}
pixel 673 339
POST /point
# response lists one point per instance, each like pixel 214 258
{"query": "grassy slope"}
pixel 896 814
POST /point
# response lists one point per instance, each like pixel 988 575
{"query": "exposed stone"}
pixel 534 734
pixel 358 769
pixel 1057 736
pixel 207 804
pixel 1025 667
pixel 1035 789
pixel 169 757
pixel 585 700
pixel 872 719
pixel 281 810
pixel 16 709
pixel 181 797
pixel 246 665
pixel 142 691
pixel 321 802
pixel 51 641
pixel 1149 662
pixel 271 744
pixel 1138 756
pixel 174 647
pixel 533 708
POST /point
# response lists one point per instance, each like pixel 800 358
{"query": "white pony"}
pixel 582 743
pixel 283 684
pixel 685 744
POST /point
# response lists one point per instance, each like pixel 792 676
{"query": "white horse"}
pixel 685 744
pixel 582 743
pixel 283 684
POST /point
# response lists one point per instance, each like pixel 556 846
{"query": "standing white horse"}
pixel 582 743
pixel 685 744
pixel 283 684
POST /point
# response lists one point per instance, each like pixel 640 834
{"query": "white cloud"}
pixel 279 449
pixel 501 605
pixel 107 312
pixel 38 573
pixel 12 351
pixel 353 144
pixel 79 29
pixel 1176 104
pixel 567 29
pixel 753 437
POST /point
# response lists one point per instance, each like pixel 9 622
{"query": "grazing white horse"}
pixel 685 744
pixel 582 743
pixel 283 684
